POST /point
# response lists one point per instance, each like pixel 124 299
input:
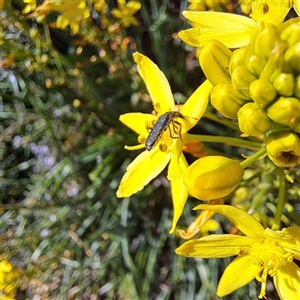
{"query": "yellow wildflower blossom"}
pixel 259 253
pixel 126 11
pixel 168 149
pixel 8 280
pixel 30 6
pixel 232 30
pixel 72 15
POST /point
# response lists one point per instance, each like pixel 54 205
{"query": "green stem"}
pixel 251 159
pixel 237 142
pixel 281 199
pixel 209 115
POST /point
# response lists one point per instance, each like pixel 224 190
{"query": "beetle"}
pixel 163 122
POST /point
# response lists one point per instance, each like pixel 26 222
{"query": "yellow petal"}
pixel 288 238
pixel 177 161
pixel 287 281
pixel 133 7
pixel 232 30
pixel 142 170
pixel 239 273
pixel 243 221
pixel 214 246
pixel 179 193
pixel 138 122
pixel 195 106
pixel 156 82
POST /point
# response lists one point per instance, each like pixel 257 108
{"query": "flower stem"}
pixel 209 115
pixel 281 199
pixel 251 159
pixel 237 142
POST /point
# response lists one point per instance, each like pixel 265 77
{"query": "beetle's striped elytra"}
pixel 164 122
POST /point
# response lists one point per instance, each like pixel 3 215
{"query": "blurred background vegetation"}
pixel 62 157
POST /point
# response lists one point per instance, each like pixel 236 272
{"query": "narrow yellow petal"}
pixel 179 194
pixel 176 164
pixel 232 30
pixel 156 82
pixel 195 106
pixel 287 281
pixel 239 273
pixel 138 122
pixel 243 221
pixel 142 170
pixel 214 246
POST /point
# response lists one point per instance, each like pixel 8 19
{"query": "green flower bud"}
pixel 213 177
pixel 225 100
pixel 262 92
pixel 237 58
pixel 292 57
pixel 253 120
pixel 283 148
pixel 256 64
pixel 284 84
pixel 297 87
pixel 285 111
pixel 291 34
pixel 266 40
pixel 241 79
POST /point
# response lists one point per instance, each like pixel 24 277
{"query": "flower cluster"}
pixel 9 277
pixel 259 85
pixel 73 13
pixel 256 86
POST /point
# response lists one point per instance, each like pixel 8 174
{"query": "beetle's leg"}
pixel 175 130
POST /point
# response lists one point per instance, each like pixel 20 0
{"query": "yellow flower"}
pixel 72 14
pixel 259 253
pixel 126 11
pixel 232 30
pixel 270 11
pixel 8 279
pixel 168 149
pixel 31 5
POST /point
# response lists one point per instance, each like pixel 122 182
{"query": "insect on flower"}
pixel 164 122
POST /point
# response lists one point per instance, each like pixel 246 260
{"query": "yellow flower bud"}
pixel 266 40
pixel 253 120
pixel 256 64
pixel 241 79
pixel 292 57
pixel 283 148
pixel 291 34
pixel 214 61
pixel 262 92
pixel 213 177
pixel 237 59
pixel 285 111
pixel 223 97
pixel 297 87
pixel 284 84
